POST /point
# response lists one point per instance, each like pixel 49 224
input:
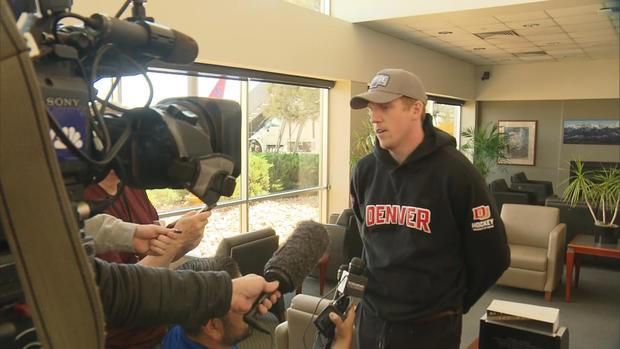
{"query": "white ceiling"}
pixel 553 30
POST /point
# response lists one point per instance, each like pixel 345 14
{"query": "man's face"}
pixel 394 122
pixel 235 329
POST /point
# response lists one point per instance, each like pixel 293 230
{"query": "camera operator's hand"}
pixel 192 226
pixel 344 329
pixel 145 239
pixel 247 288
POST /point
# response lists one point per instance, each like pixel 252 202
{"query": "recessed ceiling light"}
pixel 479 48
pixel 444 32
pixel 531 25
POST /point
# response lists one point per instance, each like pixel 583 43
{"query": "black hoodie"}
pixel 433 238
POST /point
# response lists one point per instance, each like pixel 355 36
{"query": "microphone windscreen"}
pixel 185 49
pixel 296 258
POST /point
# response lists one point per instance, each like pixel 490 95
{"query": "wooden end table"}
pixel 584 244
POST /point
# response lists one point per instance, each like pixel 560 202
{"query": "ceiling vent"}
pixel 497 35
pixel 532 55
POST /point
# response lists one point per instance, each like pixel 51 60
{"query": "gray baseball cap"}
pixel 389 84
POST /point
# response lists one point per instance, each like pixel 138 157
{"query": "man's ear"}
pixel 214 329
pixel 418 109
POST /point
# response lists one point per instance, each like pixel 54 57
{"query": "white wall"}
pixel 277 36
pixel 550 81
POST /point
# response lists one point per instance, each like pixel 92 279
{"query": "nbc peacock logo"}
pixel 74 136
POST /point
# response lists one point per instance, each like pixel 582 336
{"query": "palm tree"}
pixel 487 145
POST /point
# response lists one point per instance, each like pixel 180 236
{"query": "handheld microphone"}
pixel 293 261
pixel 351 286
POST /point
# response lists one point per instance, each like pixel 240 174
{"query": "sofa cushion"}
pixel 527 257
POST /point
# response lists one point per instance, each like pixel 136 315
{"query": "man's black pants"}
pixel 438 331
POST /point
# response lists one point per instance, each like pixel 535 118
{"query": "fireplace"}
pixel 593 166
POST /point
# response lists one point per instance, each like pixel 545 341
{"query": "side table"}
pixel 584 244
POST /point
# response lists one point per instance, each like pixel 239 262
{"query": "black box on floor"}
pixel 495 335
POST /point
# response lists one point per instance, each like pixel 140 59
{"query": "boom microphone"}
pixel 292 262
pixel 153 39
pixel 296 258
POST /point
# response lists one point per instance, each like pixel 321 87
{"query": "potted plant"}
pixel 600 190
pixel 487 145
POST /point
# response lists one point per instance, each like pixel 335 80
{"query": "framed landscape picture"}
pixel 592 132
pixel 521 139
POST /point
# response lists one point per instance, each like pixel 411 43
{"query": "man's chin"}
pixel 384 145
pixel 248 332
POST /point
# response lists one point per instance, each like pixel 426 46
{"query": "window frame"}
pixel 196 70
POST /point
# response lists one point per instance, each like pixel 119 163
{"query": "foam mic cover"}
pixel 184 51
pixel 294 260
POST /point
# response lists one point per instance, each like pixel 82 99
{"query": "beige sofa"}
pixel 536 239
pixel 299 327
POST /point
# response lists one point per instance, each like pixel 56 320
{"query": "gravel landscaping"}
pixel 281 214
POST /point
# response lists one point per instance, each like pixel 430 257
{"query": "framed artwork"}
pixel 521 139
pixel 592 132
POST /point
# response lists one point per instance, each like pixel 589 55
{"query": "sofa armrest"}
pixel 548 186
pixel 555 256
pixel 333 218
pixel 308 304
pixel 513 197
pixel 539 190
pixel 282 336
pixel 336 235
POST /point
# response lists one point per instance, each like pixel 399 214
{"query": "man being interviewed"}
pixel 433 239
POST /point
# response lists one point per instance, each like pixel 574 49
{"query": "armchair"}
pixel 251 251
pixel 536 239
pixel 345 241
pixel 298 331
pixel 504 195
pixel 352 241
pixel 541 189
pixel 335 249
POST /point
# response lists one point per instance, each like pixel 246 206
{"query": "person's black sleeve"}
pixel 133 295
pixel 353 195
pixel 484 244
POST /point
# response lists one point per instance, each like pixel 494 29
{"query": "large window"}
pixel 281 182
pixel 446 117
pixel 284 140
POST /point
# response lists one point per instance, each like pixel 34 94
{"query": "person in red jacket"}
pixel 134 206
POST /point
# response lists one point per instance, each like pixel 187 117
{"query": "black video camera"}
pixel 185 142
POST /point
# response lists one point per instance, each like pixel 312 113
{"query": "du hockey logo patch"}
pixel 482 218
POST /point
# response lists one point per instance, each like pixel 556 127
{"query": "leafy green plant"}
pixel 259 175
pixel 166 199
pixel 296 105
pixel 364 142
pixel 486 145
pixel 600 190
pixel 291 171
